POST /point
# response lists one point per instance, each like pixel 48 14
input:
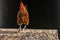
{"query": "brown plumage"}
pixel 22 15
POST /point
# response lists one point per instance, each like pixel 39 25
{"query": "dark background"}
pixel 44 14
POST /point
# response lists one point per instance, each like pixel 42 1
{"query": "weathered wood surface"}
pixel 29 34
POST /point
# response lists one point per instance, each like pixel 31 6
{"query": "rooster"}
pixel 22 16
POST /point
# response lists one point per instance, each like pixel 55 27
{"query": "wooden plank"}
pixel 29 34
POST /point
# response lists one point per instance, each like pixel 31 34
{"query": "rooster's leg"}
pixel 24 27
pixel 20 28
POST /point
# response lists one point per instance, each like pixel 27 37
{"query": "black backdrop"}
pixel 43 13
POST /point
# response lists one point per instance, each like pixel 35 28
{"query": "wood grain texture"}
pixel 29 34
